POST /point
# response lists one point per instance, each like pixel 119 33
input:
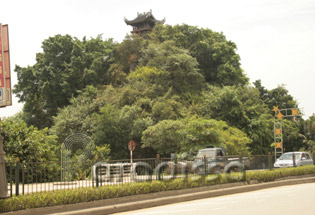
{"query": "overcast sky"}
pixel 275 38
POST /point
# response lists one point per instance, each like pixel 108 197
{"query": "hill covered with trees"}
pixel 175 90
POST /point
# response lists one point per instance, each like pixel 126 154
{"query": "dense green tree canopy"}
pixel 310 127
pixel 175 90
pixel 23 143
pixel 116 127
pixel 310 133
pixel 276 97
pixel 190 135
pixel 78 116
pixel 65 66
pixel 216 56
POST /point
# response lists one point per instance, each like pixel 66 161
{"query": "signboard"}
pixel 5 78
pixel 131 145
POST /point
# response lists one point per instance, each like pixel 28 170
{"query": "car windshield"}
pixel 288 156
pixel 206 153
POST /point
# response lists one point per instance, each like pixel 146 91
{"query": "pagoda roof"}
pixel 142 17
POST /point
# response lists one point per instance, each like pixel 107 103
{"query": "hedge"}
pixel 64 197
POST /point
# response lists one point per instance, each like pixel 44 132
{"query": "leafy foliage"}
pixel 23 143
pixel 276 97
pixel 65 66
pixel 117 127
pixel 190 135
pixel 310 133
pixel 176 89
pixel 242 108
pixel 217 58
pixel 181 68
pixel 78 116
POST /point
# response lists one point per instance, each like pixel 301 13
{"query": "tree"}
pixel 25 143
pixel 310 133
pixel 179 68
pixel 310 128
pixel 167 108
pixel 200 133
pixel 235 105
pixel 116 127
pixel 149 81
pixel 78 116
pixel 125 58
pixel 217 58
pixel 191 134
pixel 164 137
pixel 65 66
pixel 128 52
pixel 242 108
pixel 276 97
pixel 293 139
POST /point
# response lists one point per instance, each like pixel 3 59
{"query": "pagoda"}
pixel 143 23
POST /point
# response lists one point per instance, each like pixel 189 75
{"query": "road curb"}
pixel 157 199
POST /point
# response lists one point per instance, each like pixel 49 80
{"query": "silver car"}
pixel 286 160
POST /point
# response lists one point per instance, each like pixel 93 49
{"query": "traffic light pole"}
pixel 280 114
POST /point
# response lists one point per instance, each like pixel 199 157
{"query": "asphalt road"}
pixel 288 200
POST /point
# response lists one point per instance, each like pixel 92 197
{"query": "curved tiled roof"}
pixel 144 17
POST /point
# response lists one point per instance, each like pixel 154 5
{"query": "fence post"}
pixel 175 167
pixel 17 178
pixel 293 157
pixel 120 173
pixel 23 177
pixel 96 173
pixel 241 158
pixel 205 164
pixel 11 179
pixel 244 169
pixel 158 176
pixel 174 160
pixel 269 160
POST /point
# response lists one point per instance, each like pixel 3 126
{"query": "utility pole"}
pixel 3 178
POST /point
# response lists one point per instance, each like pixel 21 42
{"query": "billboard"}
pixel 5 76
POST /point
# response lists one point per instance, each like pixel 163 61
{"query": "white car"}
pixel 286 160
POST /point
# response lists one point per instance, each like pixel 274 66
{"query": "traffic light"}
pixel 295 112
pixel 280 116
pixel 278 131
pixel 279 145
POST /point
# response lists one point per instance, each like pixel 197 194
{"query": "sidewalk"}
pixel 110 206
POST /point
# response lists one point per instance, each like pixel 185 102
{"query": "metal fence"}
pixel 31 177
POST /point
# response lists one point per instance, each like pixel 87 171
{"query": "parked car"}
pixel 286 160
pixel 217 162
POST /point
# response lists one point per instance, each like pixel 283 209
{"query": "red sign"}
pixel 5 79
pixel 131 145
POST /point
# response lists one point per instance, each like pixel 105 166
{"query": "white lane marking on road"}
pixel 220 208
pixel 160 212
pixel 198 204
